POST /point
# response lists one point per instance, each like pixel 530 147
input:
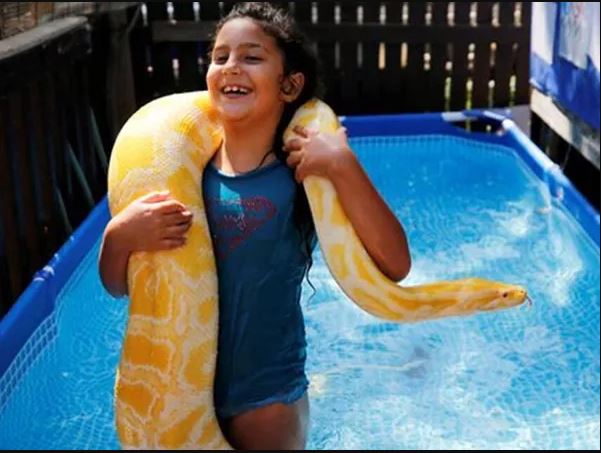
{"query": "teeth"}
pixel 235 89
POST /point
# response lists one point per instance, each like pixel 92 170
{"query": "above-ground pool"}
pixel 473 204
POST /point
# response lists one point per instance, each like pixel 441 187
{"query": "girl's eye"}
pixel 222 59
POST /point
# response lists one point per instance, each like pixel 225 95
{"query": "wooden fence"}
pixel 377 57
pixel 54 138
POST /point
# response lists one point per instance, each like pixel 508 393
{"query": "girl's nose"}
pixel 231 67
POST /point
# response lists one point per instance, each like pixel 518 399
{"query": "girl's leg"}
pixel 274 427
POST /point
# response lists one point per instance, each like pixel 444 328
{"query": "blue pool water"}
pixel 525 378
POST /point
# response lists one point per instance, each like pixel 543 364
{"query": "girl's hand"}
pixel 152 222
pixel 317 153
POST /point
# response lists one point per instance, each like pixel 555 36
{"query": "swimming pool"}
pixel 473 204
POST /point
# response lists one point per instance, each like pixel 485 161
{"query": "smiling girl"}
pixel 262 69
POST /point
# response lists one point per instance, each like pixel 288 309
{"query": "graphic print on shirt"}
pixel 237 219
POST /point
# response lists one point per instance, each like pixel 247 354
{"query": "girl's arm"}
pixel 114 256
pixel 153 222
pixel 329 155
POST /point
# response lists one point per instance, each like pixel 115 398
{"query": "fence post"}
pixel 460 68
pixel 121 102
pixel 437 71
pixel 482 64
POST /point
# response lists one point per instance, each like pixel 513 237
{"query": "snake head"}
pixel 506 296
pixel 490 295
pixel 514 295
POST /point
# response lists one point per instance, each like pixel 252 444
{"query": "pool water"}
pixel 524 378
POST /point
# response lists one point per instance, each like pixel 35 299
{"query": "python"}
pixel 164 385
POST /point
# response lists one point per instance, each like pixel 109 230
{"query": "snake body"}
pixel 164 386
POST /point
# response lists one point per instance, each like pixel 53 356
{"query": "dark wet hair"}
pixel 299 56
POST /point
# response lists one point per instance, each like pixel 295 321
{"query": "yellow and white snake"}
pixel 164 387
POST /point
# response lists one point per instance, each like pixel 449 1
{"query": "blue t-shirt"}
pixel 260 264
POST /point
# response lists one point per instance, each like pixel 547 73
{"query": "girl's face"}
pixel 246 72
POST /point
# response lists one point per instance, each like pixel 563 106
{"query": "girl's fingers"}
pixel 172 243
pixel 169 206
pixel 300 130
pixel 299 173
pixel 294 158
pixel 304 132
pixel 294 144
pixel 177 217
pixel 155 197
pixel 176 231
pixel 187 222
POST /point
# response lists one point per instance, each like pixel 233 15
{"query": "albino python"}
pixel 164 385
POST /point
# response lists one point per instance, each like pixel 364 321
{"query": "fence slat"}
pixel 302 12
pixel 522 67
pixel 161 54
pixel 156 11
pixel 460 69
pixel 41 166
pixel 437 72
pixel 416 95
pixel 5 287
pixel 190 77
pixel 504 57
pixel 394 79
pixel 75 120
pixel 162 68
pixel 210 11
pixel 57 131
pixel 326 52
pixel 7 215
pixel 63 92
pixel 183 11
pixel 140 43
pixel 82 134
pixel 348 62
pixel 210 14
pixel 370 83
pixel 25 199
pixel 482 67
pixel 93 171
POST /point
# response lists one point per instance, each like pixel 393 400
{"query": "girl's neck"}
pixel 245 148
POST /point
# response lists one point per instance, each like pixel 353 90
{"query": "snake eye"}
pixel 505 295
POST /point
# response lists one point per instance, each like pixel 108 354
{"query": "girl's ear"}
pixel 292 86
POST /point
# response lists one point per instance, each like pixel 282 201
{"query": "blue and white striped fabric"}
pixel 564 58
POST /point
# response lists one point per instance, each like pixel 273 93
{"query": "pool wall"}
pixel 38 300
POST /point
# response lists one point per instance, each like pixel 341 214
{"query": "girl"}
pixel 261 71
